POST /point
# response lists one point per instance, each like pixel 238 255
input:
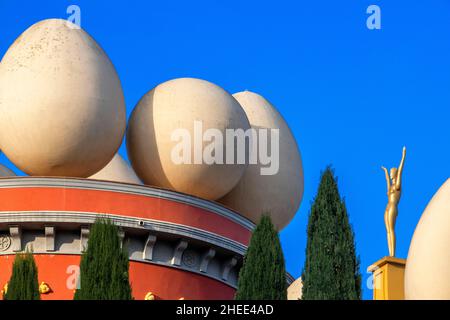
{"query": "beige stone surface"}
pixel 427 274
pixel 279 194
pixel 117 170
pixel 6 172
pixel 177 104
pixel 62 110
pixel 294 291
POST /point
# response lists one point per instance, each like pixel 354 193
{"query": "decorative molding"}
pixel 16 236
pixel 230 264
pixel 49 238
pixel 5 242
pixel 121 237
pixel 147 253
pixel 207 256
pixel 196 257
pixel 88 218
pixel 189 259
pixel 178 252
pixel 84 237
pixel 90 184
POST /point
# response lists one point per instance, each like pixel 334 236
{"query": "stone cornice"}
pixel 88 184
pixel 87 218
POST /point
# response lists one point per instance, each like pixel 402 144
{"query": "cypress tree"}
pixel 23 284
pixel 104 265
pixel 331 270
pixel 263 274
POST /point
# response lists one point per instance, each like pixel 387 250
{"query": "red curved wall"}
pixel 130 205
pixel 164 282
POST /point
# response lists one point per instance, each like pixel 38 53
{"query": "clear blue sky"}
pixel 352 96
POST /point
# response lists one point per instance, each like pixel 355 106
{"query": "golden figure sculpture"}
pixel 394 189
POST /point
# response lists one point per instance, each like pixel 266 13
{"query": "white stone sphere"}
pixel 6 172
pixel 117 170
pixel 62 110
pixel 427 273
pixel 279 194
pixel 173 106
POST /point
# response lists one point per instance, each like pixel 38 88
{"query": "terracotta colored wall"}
pixel 54 199
pixel 164 282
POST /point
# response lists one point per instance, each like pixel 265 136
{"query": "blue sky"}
pixel 352 96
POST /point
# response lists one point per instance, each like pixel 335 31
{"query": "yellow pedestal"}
pixel 388 278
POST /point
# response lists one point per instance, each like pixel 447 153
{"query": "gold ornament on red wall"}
pixel 150 296
pixel 44 288
pixel 5 289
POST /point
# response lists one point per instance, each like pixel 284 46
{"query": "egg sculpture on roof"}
pixel 272 187
pixel 117 170
pixel 176 138
pixel 427 271
pixel 62 109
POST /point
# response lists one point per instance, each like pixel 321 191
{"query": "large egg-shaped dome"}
pixel 165 137
pixel 427 274
pixel 117 170
pixel 62 110
pixel 278 194
pixel 6 172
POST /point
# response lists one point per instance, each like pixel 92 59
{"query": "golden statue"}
pixel 394 189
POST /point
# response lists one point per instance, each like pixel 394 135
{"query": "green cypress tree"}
pixel 263 275
pixel 23 284
pixel 331 270
pixel 104 265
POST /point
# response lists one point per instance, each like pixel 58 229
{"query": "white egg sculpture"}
pixel 172 129
pixel 62 110
pixel 280 192
pixel 427 273
pixel 117 170
pixel 6 172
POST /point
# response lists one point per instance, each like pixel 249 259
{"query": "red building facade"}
pixel 179 246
